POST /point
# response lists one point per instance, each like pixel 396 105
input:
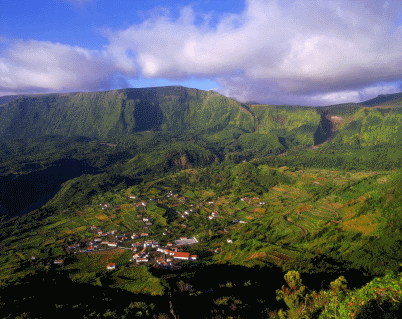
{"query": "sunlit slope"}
pixel 121 112
pixel 296 123
pixel 368 127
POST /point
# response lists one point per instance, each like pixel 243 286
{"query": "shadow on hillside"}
pixel 148 114
pixel 31 191
pixel 324 130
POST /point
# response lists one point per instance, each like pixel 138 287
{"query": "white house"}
pixel 142 260
pixel 184 256
pixel 181 255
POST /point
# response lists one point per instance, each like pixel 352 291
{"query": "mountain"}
pixel 121 112
pixel 248 128
pixel 384 100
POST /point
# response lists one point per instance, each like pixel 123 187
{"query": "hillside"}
pixel 122 112
pixel 173 184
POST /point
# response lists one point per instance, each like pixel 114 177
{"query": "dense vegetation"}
pixel 269 192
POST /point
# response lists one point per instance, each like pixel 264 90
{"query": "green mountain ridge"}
pixel 119 113
pixel 105 114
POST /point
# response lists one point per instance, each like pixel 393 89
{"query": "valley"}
pixel 166 186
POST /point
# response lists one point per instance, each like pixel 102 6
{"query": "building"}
pixel 181 255
pixel 111 266
pixel 58 261
pixel 142 260
pixel 186 241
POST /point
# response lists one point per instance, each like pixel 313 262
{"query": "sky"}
pixel 303 52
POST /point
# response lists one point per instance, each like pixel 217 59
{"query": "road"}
pixel 304 231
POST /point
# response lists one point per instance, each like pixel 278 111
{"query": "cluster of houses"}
pixel 163 256
pixel 251 201
pixel 143 251
pixel 105 240
pixel 148 251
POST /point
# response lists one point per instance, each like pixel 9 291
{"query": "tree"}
pixel 293 294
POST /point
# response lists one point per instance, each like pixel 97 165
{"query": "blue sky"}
pixel 314 52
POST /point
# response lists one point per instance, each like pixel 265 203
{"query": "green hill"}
pixel 121 112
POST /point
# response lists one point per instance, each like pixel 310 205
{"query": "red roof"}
pixel 182 255
pixel 111 265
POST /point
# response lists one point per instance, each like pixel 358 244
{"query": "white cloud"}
pixel 311 48
pixel 38 66
pixel 355 95
pixel 300 52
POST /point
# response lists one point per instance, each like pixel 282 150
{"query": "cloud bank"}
pixel 38 67
pixel 315 52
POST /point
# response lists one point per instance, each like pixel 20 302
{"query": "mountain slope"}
pixel 105 114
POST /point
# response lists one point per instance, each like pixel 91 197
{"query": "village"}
pixel 144 246
pixel 143 249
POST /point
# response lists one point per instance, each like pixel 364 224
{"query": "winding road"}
pixel 303 230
